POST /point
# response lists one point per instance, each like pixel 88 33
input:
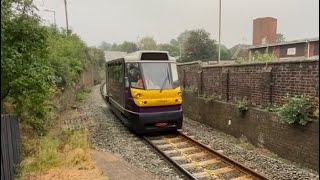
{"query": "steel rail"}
pixel 250 174
pixel 176 165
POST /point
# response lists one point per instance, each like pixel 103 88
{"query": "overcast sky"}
pixel 119 20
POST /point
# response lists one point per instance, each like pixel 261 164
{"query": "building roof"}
pixel 285 43
pixel 239 46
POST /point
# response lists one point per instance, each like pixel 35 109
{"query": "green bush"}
pixel 243 105
pixel 256 57
pixel 296 110
pixel 36 59
pixel 211 97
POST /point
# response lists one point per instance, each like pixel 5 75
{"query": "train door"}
pixel 116 83
pixel 122 84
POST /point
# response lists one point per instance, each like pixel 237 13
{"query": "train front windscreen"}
pixel 153 75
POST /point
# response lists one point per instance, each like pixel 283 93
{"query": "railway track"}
pixel 197 161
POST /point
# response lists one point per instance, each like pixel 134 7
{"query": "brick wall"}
pixel 293 142
pixel 264 28
pixel 259 83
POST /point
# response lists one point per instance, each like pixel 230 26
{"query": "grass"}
pixel 70 149
pixel 63 153
pixel 64 148
pixel 44 154
pixel 82 95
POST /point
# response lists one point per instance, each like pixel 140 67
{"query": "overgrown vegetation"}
pixel 243 105
pixel 211 97
pixel 70 149
pixel 37 64
pixel 256 57
pixel 296 110
pixel 36 61
pixel 191 88
pixel 82 95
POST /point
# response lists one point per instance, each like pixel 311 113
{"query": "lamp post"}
pixel 66 11
pixel 54 16
pixel 219 31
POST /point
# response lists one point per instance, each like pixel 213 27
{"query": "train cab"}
pixel 143 91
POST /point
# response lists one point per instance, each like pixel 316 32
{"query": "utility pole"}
pixel 219 31
pixel 65 7
pixel 180 51
pixel 54 16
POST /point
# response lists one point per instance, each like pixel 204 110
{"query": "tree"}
pixel 35 62
pixel 105 46
pixel 198 46
pixel 174 42
pixel 173 50
pixel 128 47
pixel 24 67
pixel 147 43
pixel 225 53
pixel 114 47
pixel 280 38
pixel 183 37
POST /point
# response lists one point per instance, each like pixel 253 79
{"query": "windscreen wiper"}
pixel 164 82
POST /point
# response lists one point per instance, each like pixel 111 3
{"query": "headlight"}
pixel 138 95
pixel 179 93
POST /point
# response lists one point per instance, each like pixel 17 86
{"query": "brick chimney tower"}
pixel 264 31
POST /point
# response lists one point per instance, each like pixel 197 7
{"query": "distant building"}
pixel 111 55
pixel 239 50
pixel 305 48
pixel 264 31
pixel 264 39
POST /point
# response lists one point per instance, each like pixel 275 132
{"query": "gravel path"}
pixel 108 133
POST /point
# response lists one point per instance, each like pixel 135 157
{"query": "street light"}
pixel 66 11
pixel 219 31
pixel 54 16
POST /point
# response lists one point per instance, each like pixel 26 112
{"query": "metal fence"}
pixel 10 145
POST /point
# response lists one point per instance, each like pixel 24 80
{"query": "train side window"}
pixel 134 75
pixel 120 73
pixel 108 72
pixel 111 72
pixel 115 73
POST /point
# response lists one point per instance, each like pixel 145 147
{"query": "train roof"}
pixel 148 56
